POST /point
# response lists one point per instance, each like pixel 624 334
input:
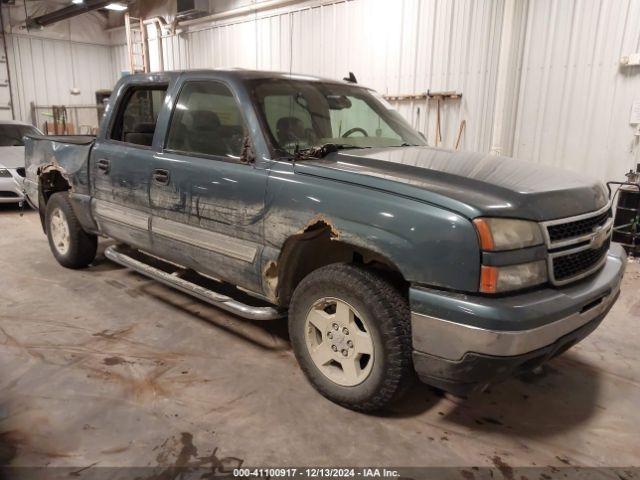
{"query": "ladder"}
pixel 137 45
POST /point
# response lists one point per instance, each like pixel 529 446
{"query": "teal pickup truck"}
pixel 273 195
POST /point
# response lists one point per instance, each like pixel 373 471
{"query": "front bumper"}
pixel 11 188
pixel 463 342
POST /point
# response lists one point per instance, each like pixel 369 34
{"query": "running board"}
pixel 173 279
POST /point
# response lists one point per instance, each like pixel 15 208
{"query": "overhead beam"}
pixel 65 13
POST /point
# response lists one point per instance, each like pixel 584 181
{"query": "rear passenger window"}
pixel 138 114
pixel 206 120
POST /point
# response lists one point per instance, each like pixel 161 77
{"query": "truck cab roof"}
pixel 240 74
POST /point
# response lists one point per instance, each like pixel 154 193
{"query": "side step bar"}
pixel 205 294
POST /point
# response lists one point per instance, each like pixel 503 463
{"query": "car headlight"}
pixel 502 234
pixel 498 234
pixel 4 172
pixel 512 277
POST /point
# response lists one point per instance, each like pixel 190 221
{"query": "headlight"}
pixel 4 172
pixel 500 234
pixel 512 277
pixel 506 234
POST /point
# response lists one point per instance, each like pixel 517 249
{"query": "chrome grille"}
pixel 578 228
pixel 568 266
pixel 577 245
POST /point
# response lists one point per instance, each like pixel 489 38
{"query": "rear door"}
pixel 120 164
pixel 207 202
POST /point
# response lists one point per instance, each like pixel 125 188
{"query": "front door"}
pixel 120 165
pixel 207 202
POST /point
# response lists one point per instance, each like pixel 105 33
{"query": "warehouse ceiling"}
pixel 88 27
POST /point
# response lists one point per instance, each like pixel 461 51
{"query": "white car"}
pixel 12 159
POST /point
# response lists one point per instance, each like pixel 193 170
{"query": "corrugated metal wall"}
pixel 575 100
pixel 558 97
pixel 400 47
pixel 45 70
pixel 564 100
pixel 5 96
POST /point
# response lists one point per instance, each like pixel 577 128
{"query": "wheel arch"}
pixel 316 246
pixel 50 181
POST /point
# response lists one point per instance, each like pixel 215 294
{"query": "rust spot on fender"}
pixel 271 272
pixel 55 167
pixel 270 275
pixel 320 222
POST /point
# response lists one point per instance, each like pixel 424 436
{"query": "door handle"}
pixel 104 165
pixel 161 177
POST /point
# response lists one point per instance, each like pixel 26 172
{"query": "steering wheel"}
pixel 354 130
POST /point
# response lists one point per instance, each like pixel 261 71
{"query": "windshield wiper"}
pixel 322 151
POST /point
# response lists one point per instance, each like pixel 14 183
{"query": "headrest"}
pixel 205 120
pixel 287 122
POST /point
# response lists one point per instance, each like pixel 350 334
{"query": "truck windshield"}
pixel 301 115
pixel 11 134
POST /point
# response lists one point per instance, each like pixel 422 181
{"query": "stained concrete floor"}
pixel 105 367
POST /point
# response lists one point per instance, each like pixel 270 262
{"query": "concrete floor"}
pixel 103 366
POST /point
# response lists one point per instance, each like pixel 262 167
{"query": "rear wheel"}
pixel 70 244
pixel 350 330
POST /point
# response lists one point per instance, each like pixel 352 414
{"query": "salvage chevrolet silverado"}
pixel 272 194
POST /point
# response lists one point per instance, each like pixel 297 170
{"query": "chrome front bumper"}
pixel 450 326
pixel 452 340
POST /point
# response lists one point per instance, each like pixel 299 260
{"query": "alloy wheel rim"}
pixel 339 341
pixel 60 232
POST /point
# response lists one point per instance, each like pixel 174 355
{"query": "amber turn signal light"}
pixel 488 279
pixel 484 233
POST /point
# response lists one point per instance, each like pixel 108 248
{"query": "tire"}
pixel 375 307
pixel 70 244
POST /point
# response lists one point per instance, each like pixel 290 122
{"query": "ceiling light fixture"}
pixel 118 7
pixel 77 2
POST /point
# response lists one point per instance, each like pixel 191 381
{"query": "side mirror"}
pixel 338 102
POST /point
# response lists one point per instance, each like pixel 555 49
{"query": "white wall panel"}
pixel 45 70
pixel 399 47
pixel 575 100
pixel 5 97
pixel 559 96
pixel 119 60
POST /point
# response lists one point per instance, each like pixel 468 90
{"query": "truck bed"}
pixel 66 154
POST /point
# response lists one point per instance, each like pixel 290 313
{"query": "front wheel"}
pixel 70 244
pixel 351 334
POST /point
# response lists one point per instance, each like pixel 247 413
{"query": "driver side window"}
pixel 206 120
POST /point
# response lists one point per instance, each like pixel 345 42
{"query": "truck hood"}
pixel 471 184
pixel 11 157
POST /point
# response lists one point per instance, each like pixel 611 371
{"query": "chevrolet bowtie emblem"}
pixel 599 237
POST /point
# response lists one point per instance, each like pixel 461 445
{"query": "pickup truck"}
pixel 272 195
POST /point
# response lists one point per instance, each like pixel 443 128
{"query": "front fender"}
pixel 428 244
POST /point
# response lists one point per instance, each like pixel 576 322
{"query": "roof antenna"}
pixel 351 78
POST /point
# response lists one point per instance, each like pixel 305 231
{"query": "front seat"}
pixel 289 130
pixel 205 134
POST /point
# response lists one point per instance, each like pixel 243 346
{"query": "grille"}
pixel 577 228
pixel 8 195
pixel 574 264
pixel 20 171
